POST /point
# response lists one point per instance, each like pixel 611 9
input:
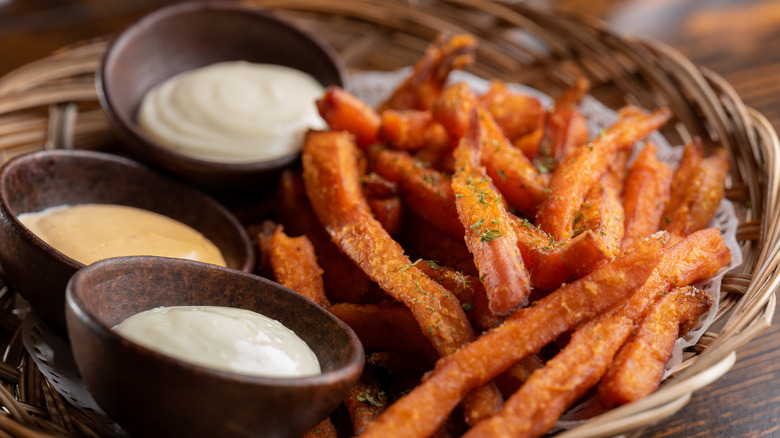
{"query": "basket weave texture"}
pixel 52 103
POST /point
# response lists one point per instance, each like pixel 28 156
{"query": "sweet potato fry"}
pixel 702 196
pixel 325 429
pixel 386 326
pixel 294 264
pixel 518 115
pixel 565 125
pixel 425 191
pixel 468 289
pixel 602 210
pixel 420 412
pixel 490 235
pixel 512 172
pixel 332 184
pixel 552 263
pixel 424 240
pixel 344 281
pixel 412 130
pixel 573 371
pixel 683 175
pixel 423 86
pixel 343 111
pixel 572 180
pixel 388 212
pixel 645 196
pixel 638 367
pixel 364 402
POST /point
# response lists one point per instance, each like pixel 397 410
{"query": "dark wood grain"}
pixel 738 39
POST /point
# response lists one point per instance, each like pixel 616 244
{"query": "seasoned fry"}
pixel 420 412
pixel 364 402
pixel 423 86
pixel 512 172
pixel 602 210
pixel 469 290
pixel 551 263
pixel 325 429
pixel 565 125
pixel 645 196
pixel 518 115
pixel 294 264
pixel 572 372
pixel 388 212
pixel 638 367
pixel 412 130
pixel 490 235
pixel 426 241
pixel 702 196
pixel 685 172
pixel 343 280
pixel 425 191
pixel 386 326
pixel 331 179
pixel 343 111
pixel 572 180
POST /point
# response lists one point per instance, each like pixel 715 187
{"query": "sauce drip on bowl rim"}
pixel 92 232
pixel 225 338
pixel 233 112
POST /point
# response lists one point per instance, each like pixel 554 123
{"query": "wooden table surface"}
pixel 739 39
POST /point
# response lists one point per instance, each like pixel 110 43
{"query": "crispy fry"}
pixel 421 411
pixel 343 111
pixel 364 402
pixel 423 86
pixel 388 212
pixel 702 196
pixel 331 178
pixel 512 172
pixel 602 210
pixel 387 326
pixel 426 241
pixel 518 115
pixel 412 130
pixel 425 191
pixel 683 175
pixel 295 265
pixel 645 196
pixel 572 180
pixel 490 235
pixel 572 372
pixel 325 429
pixel 468 289
pixel 565 125
pixel 343 280
pixel 638 367
pixel 551 263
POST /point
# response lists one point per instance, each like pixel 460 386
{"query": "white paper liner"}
pixel 373 87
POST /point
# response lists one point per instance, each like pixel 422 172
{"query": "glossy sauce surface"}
pixel 233 111
pixel 92 232
pixel 225 338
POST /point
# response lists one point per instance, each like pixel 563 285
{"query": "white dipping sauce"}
pixel 223 338
pixel 235 112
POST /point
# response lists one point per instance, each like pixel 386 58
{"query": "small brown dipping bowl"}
pixel 34 182
pixel 190 35
pixel 154 395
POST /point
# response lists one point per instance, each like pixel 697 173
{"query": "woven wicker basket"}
pixel 52 104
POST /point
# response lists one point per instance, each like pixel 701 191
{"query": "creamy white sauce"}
pixel 233 111
pixel 223 338
pixel 91 232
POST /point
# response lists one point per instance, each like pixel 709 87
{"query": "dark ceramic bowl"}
pixel 34 182
pixel 190 35
pixel 154 395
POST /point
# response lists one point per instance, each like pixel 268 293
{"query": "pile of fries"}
pixel 497 260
